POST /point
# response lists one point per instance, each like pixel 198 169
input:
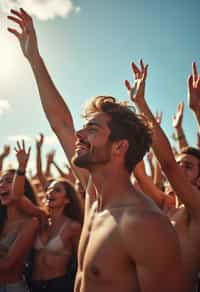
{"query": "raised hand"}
pixel 22 155
pixel 194 89
pixel 136 91
pixel 27 36
pixel 178 117
pixel 40 141
pixel 6 151
pixel 50 156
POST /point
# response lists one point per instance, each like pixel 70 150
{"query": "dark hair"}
pixel 195 152
pixel 73 209
pixel 124 124
pixel 28 192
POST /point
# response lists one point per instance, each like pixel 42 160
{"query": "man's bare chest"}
pixel 101 250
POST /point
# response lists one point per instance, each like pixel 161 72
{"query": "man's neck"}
pixel 110 184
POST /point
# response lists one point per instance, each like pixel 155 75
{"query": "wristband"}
pixel 20 172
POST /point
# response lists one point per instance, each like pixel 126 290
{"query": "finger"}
pixel 194 71
pixel 17 13
pixel 18 145
pixel 190 82
pixel 29 150
pixel 127 84
pixel 25 14
pixel 135 68
pixel 16 150
pixel 145 73
pixel 15 32
pixel 181 105
pixel 23 144
pixel 142 65
pixel 18 21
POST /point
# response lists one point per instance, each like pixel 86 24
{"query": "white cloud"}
pixel 42 9
pixel 4 106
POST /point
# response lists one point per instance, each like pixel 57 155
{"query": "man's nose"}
pixel 80 133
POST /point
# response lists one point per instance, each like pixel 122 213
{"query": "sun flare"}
pixel 9 57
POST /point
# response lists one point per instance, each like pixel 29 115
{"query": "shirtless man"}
pixel 123 229
pixel 184 177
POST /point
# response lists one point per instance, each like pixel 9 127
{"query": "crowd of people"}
pixel 104 223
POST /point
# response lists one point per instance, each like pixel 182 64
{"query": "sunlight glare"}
pixel 9 57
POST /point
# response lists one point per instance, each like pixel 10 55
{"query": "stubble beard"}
pixel 93 157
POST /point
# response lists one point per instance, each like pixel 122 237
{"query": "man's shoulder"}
pixel 144 222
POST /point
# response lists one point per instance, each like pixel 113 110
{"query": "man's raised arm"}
pixel 57 112
pixel 188 194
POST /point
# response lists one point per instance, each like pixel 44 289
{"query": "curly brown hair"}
pixel 124 124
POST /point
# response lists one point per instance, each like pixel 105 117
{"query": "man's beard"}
pixel 93 157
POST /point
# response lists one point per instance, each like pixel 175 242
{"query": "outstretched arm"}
pixel 187 193
pixel 17 191
pixel 150 189
pixel 179 134
pixel 50 158
pixel 3 155
pixel 56 110
pixel 194 93
pixel 39 172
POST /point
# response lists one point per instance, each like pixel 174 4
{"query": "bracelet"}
pixel 20 172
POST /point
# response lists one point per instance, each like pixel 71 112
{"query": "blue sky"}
pixel 87 46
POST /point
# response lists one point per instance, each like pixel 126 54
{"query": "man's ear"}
pixel 198 182
pixel 121 146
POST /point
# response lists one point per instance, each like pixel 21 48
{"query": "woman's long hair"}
pixel 28 192
pixel 73 209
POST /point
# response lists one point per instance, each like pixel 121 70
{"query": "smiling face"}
pixel 93 146
pixel 5 188
pixel 56 195
pixel 190 166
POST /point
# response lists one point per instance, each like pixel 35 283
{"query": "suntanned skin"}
pixel 183 179
pixel 123 230
pixel 12 260
pixel 48 264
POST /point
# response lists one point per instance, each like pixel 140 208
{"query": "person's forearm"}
pixel 158 177
pixel 62 173
pixel 57 113
pixel 197 117
pixel 48 169
pixel 160 142
pixel 18 184
pixel 39 172
pixel 54 106
pixel 147 185
pixel 180 138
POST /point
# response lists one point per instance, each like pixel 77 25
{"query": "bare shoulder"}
pixel 147 227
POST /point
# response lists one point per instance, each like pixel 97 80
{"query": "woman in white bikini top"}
pixel 55 244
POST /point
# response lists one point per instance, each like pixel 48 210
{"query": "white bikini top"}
pixel 53 245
